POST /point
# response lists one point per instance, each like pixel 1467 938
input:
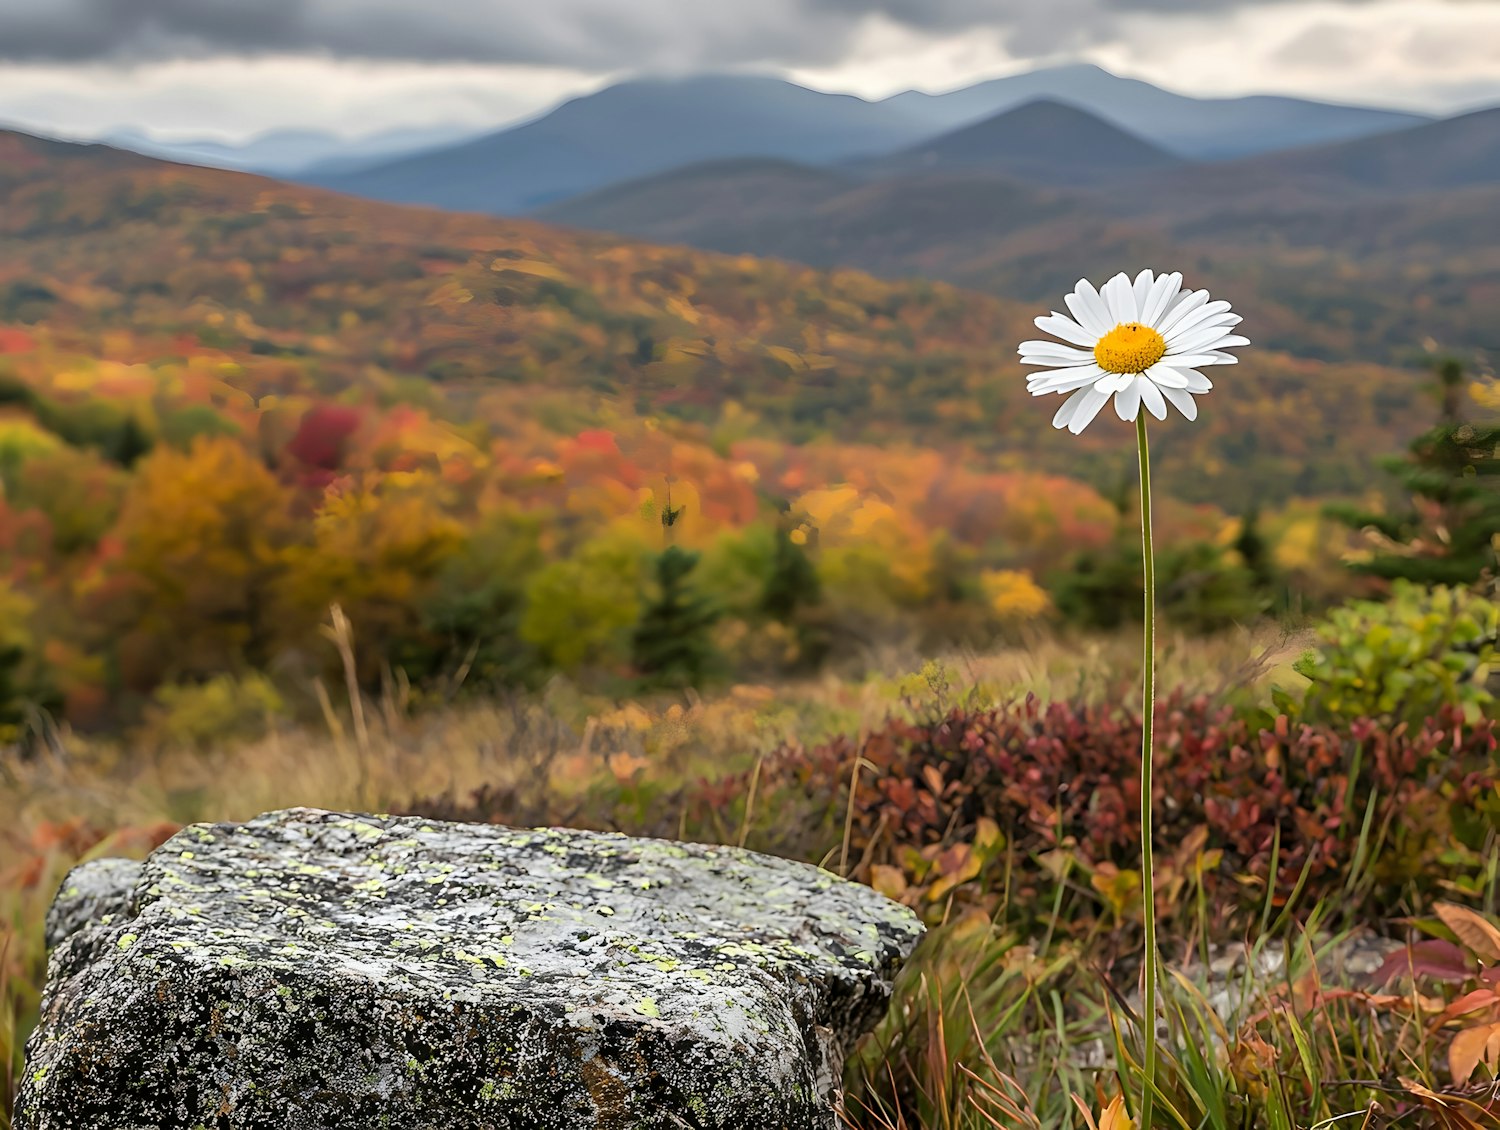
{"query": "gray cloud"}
pixel 585 34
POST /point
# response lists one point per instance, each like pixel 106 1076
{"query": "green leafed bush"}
pixel 202 714
pixel 1405 659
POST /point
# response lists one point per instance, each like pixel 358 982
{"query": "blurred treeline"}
pixel 171 552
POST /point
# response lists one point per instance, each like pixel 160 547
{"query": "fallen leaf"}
pixel 1472 929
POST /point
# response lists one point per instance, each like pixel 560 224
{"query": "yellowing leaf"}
pixel 1115 1117
pixel 888 881
pixel 1121 889
pixel 957 865
pixel 988 839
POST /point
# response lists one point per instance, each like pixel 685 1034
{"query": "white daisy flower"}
pixel 1142 343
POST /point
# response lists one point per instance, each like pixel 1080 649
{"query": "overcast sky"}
pixel 231 68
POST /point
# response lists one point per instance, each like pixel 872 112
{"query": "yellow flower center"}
pixel 1130 348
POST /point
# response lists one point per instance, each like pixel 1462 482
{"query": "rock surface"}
pixel 310 971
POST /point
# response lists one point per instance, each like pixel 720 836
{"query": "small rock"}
pixel 311 971
pixel 93 893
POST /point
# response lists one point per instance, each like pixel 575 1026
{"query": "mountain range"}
pixel 1363 247
pixel 647 126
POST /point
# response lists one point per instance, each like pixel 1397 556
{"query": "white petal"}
pixel 1053 380
pixel 1114 382
pixel 1054 361
pixel 1185 306
pixel 1058 371
pixel 1197 382
pixel 1069 406
pixel 1042 349
pixel 1166 376
pixel 1120 298
pixel 1151 398
pixel 1195 360
pixel 1076 378
pixel 1143 284
pixel 1214 339
pixel 1060 325
pixel 1182 401
pixel 1206 341
pixel 1163 293
pixel 1224 323
pixel 1088 408
pixel 1201 316
pixel 1221 358
pixel 1089 308
pixel 1128 401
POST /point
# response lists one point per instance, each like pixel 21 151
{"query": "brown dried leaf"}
pixel 1466 1052
pixel 1472 929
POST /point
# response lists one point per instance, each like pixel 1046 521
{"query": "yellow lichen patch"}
pixel 1130 348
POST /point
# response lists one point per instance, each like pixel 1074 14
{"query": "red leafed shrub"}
pixel 956 809
pixel 323 436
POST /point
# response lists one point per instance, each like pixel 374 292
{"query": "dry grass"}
pixel 553 752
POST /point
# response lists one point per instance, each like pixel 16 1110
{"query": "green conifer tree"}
pixel 672 644
pixel 1447 535
pixel 792 583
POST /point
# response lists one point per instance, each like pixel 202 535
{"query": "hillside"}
pixel 1042 142
pixel 1457 152
pixel 630 130
pixel 309 289
pixel 1197 128
pixel 694 203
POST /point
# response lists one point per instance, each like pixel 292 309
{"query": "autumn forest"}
pixel 230 405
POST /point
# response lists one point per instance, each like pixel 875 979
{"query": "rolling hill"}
pixel 1042 142
pixel 692 204
pixel 151 266
pixel 1197 128
pixel 1457 152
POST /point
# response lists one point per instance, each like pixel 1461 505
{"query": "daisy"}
pixel 1144 343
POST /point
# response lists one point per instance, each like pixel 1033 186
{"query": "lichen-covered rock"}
pixel 94 893
pixel 311 971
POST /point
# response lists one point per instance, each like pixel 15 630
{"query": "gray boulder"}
pixel 311 970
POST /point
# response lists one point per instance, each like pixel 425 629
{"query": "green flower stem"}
pixel 1148 712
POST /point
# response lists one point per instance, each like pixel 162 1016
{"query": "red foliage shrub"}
pixel 323 436
pixel 952 809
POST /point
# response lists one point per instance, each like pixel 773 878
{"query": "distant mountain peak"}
pixel 1044 141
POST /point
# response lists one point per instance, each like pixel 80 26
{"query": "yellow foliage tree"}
pixel 374 550
pixel 203 538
